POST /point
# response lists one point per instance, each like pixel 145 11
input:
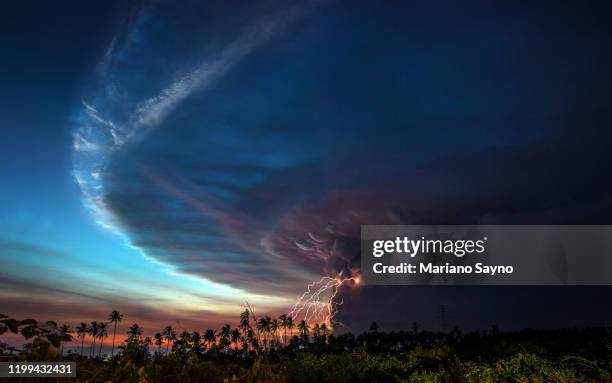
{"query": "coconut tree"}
pixel 159 339
pixel 224 336
pixel 93 332
pixel 249 340
pixel 134 333
pixel 184 340
pixel 147 342
pixel 196 342
pixel 289 325
pixel 210 336
pixel 324 332
pixel 114 317
pixel 283 324
pixel 245 318
pixel 303 328
pixel 253 339
pixel 169 335
pixel 316 332
pixel 245 325
pixel 263 326
pixel 235 337
pixel 274 327
pixel 81 330
pixel 102 333
pixel 65 336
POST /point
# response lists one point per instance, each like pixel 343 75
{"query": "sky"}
pixel 176 161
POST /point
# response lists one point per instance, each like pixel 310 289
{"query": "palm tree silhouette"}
pixel 274 326
pixel 169 335
pixel 316 331
pixel 283 324
pixel 290 325
pixel 252 339
pixel 64 333
pixel 263 326
pixel 211 337
pixel 159 339
pixel 134 332
pixel 114 317
pixel 303 328
pixel 324 332
pixel 245 327
pixel 81 333
pixel 224 336
pixel 184 340
pixel 245 318
pixel 102 333
pixel 235 337
pixel 93 332
pixel 196 342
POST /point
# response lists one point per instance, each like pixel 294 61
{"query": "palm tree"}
pixel 235 337
pixel 196 342
pixel 303 327
pixel 274 326
pixel 134 331
pixel 224 336
pixel 324 332
pixel 245 318
pixel 316 332
pixel 245 326
pixel 252 339
pixel 290 325
pixel 64 333
pixel 283 324
pixel 249 340
pixel 102 333
pixel 147 342
pixel 211 337
pixel 93 332
pixel 114 317
pixel 263 326
pixel 169 335
pixel 159 339
pixel 81 333
pixel 183 341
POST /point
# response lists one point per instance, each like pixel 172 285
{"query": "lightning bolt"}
pixel 318 304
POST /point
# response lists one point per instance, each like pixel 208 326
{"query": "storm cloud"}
pixel 259 153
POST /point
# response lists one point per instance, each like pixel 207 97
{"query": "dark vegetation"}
pixel 279 350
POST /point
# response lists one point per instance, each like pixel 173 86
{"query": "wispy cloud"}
pixel 114 116
pixel 153 111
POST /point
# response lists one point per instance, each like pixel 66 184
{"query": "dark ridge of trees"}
pixel 278 349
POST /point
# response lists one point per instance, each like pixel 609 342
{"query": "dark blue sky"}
pixel 206 146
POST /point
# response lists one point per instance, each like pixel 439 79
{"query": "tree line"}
pixel 251 335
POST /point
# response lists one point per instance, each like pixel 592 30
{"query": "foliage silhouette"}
pixel 234 354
